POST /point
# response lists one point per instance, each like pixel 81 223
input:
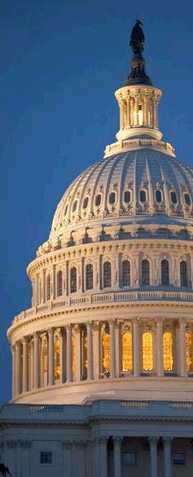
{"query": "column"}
pixel 51 356
pixel 146 111
pixel 36 361
pixel 26 458
pixel 128 110
pixel 103 456
pixel 117 456
pixel 18 367
pixel 80 460
pixel 77 334
pixel 136 348
pixel 137 109
pixel 10 455
pixel 153 440
pixel 13 371
pixel 121 106
pixel 89 350
pixel 160 371
pixel 182 346
pixel 67 445
pixel 118 348
pixel 112 348
pixel 62 356
pixel 68 353
pixel 96 349
pixel 25 364
pixel 167 456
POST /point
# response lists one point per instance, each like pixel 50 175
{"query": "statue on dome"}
pixel 137 38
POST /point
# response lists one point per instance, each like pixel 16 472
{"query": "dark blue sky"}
pixel 60 65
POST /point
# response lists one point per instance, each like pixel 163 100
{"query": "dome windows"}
pixel 74 206
pixel 127 196
pixel 73 280
pixel 142 196
pixel 85 203
pixel 173 197
pixel 98 200
pixel 158 196
pixel 112 198
pixel 187 199
pixel 66 209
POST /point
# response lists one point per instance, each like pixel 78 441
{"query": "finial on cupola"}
pixel 138 74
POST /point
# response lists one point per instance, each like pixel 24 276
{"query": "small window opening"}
pixel 187 199
pixel 85 203
pixel 173 197
pixel 127 196
pixel 74 206
pixel 158 196
pixel 112 198
pixel 98 200
pixel 142 196
pixel 66 209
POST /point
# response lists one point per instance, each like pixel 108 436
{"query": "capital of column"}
pixel 136 321
pixel 160 321
pixel 183 322
pixel 167 440
pixel 67 444
pixel 153 440
pixel 117 439
pixel 25 340
pixel 103 440
pixel 50 331
pixel 25 444
pixel 11 444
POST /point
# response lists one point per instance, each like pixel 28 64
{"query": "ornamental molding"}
pixel 11 444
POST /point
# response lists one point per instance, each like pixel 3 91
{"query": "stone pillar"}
pixel 31 365
pixel 90 350
pixel 62 356
pixel 160 370
pixel 25 460
pixel 146 111
pixel 77 333
pixel 36 360
pixel 103 456
pixel 25 364
pixel 96 458
pixel 167 456
pixel 51 356
pixel 18 367
pixel 137 110
pixel 128 110
pixel 66 458
pixel 13 372
pixel 112 348
pixel 118 350
pixel 79 457
pixel 10 456
pixel 136 348
pixel 153 440
pixel 96 349
pixel 117 456
pixel 121 106
pixel 182 347
pixel 68 353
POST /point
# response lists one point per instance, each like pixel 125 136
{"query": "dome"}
pixel 138 182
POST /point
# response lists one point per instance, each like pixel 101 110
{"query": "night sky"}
pixel 60 65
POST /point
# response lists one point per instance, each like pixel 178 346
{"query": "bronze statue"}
pixel 137 38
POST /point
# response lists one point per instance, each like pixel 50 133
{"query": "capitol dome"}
pixel 112 296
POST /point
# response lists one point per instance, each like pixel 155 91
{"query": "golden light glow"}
pixel 147 351
pixel 140 115
pixel 45 359
pixel 189 352
pixel 106 352
pixel 85 354
pixel 57 359
pixel 168 351
pixel 127 351
pixel 73 356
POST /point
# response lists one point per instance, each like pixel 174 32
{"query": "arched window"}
pixel 145 272
pixel 183 274
pixel 45 358
pixel 59 283
pixel 107 274
pixel 48 287
pixel 147 351
pixel 57 359
pixel 73 356
pixel 73 280
pixel 168 351
pixel 158 196
pixel 127 351
pixel 165 272
pixel 106 352
pixel 189 352
pixel 126 273
pixel 89 277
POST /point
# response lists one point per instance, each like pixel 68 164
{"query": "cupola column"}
pixel 51 356
pixel 77 335
pixel 146 110
pixel 25 364
pixel 182 344
pixel 112 348
pixel 121 106
pixel 136 351
pixel 137 110
pixel 36 360
pixel 128 110
pixel 69 353
pixel 90 350
pixel 62 356
pixel 18 367
pixel 13 371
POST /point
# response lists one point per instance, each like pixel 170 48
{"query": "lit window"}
pixel 165 272
pixel 98 200
pixel 129 458
pixel 66 209
pixel 189 352
pixel 145 272
pixel 142 196
pixel 140 115
pixel 106 352
pixel 147 351
pixel 187 199
pixel 45 358
pixel 179 459
pixel 127 351
pixel 59 283
pixel 168 351
pixel 85 203
pixel 107 274
pixel 173 197
pixel 183 274
pixel 89 277
pixel 126 273
pixel 158 196
pixel 112 198
pixel 45 457
pixel 74 206
pixel 57 359
pixel 48 287
pixel 127 196
pixel 73 280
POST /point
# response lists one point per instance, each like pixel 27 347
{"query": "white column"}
pixel 121 106
pixel 62 356
pixel 68 353
pixel 112 348
pixel 13 372
pixel 77 334
pixel 146 111
pixel 18 367
pixel 153 440
pixel 182 346
pixel 103 456
pixel 96 349
pixel 167 457
pixel 89 350
pixel 95 458
pixel 117 456
pixel 136 348
pixel 51 356
pixel 128 110
pixel 160 371
pixel 137 109
pixel 67 445
pixel 25 457
pixel 36 361
pixel 118 350
pixel 25 364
